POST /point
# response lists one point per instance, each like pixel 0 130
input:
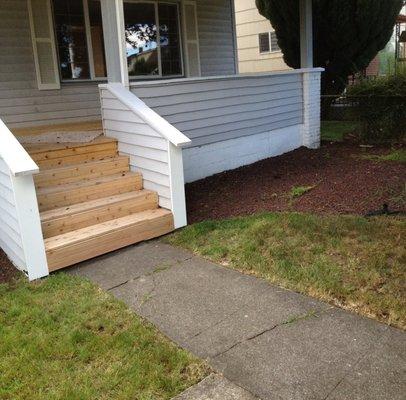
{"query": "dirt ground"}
pixel 7 271
pixel 343 181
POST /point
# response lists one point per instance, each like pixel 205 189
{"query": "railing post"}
pixel 30 226
pixel 177 185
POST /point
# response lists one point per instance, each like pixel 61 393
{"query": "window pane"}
pixel 71 38
pixel 264 46
pixel 96 32
pixel 169 39
pixel 141 38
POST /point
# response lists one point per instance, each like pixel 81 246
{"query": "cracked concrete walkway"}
pixel 274 343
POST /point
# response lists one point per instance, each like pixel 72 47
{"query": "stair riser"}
pixel 93 247
pixel 82 172
pixel 120 209
pixel 79 195
pixel 76 159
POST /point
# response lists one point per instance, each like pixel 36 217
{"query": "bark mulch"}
pixel 344 182
pixel 7 271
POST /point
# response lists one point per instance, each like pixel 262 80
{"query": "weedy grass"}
pixel 64 338
pixel 350 261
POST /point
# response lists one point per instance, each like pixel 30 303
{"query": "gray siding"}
pixel 217 109
pixel 21 103
pixel 216 37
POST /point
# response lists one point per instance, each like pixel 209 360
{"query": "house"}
pixel 159 81
pixel 257 45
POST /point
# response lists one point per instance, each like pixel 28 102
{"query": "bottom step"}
pixel 83 244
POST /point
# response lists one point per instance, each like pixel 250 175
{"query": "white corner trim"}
pixel 30 226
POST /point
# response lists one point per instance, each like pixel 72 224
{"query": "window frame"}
pixel 89 44
pixel 270 51
pixel 180 32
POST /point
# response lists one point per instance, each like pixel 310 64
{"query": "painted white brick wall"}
pixel 311 117
pixel 203 161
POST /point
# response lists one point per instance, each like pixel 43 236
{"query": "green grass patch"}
pixel 335 131
pixel 64 338
pixel 395 156
pixel 298 191
pixel 351 261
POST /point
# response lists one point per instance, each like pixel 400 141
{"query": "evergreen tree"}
pixel 347 34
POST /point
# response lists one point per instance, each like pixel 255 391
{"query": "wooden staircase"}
pixel 91 203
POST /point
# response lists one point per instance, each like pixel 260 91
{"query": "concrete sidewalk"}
pixel 274 343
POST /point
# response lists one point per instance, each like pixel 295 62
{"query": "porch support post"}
pixel 114 41
pixel 311 79
pixel 306 33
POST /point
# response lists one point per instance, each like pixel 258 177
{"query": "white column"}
pixel 311 79
pixel 311 109
pixel 114 41
pixel 306 34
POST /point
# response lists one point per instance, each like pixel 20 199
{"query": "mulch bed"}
pixel 345 183
pixel 7 271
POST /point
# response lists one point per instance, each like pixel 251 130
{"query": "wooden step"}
pixel 83 171
pixel 66 219
pixel 92 189
pixel 61 154
pixel 73 247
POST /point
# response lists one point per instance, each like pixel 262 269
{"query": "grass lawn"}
pixel 350 261
pixel 395 156
pixel 64 338
pixel 335 131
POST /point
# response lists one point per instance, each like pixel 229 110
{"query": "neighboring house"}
pixel 258 49
pixel 161 79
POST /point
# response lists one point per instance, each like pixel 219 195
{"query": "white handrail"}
pixel 149 116
pixel 14 155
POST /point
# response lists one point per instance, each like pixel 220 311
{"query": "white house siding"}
pixel 249 24
pixel 21 103
pixel 148 151
pixel 210 110
pixel 10 237
pixel 216 37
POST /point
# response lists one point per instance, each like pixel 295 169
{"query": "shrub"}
pixel 381 108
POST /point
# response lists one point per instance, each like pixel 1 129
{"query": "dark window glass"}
pixel 264 45
pixel 71 39
pixel 141 38
pixel 96 33
pixel 169 39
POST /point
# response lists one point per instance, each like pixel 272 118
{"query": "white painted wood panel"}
pixel 151 144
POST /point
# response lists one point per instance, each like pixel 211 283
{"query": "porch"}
pixel 169 131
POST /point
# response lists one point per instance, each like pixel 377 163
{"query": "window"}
pixel 79 32
pixel 153 51
pixel 152 32
pixel 268 42
pixel 264 45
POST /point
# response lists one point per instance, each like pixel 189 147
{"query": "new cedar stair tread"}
pixel 82 244
pixel 73 173
pixel 46 150
pixel 66 219
pixel 79 192
pixel 54 155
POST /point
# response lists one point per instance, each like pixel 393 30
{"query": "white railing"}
pixel 20 227
pixel 153 145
